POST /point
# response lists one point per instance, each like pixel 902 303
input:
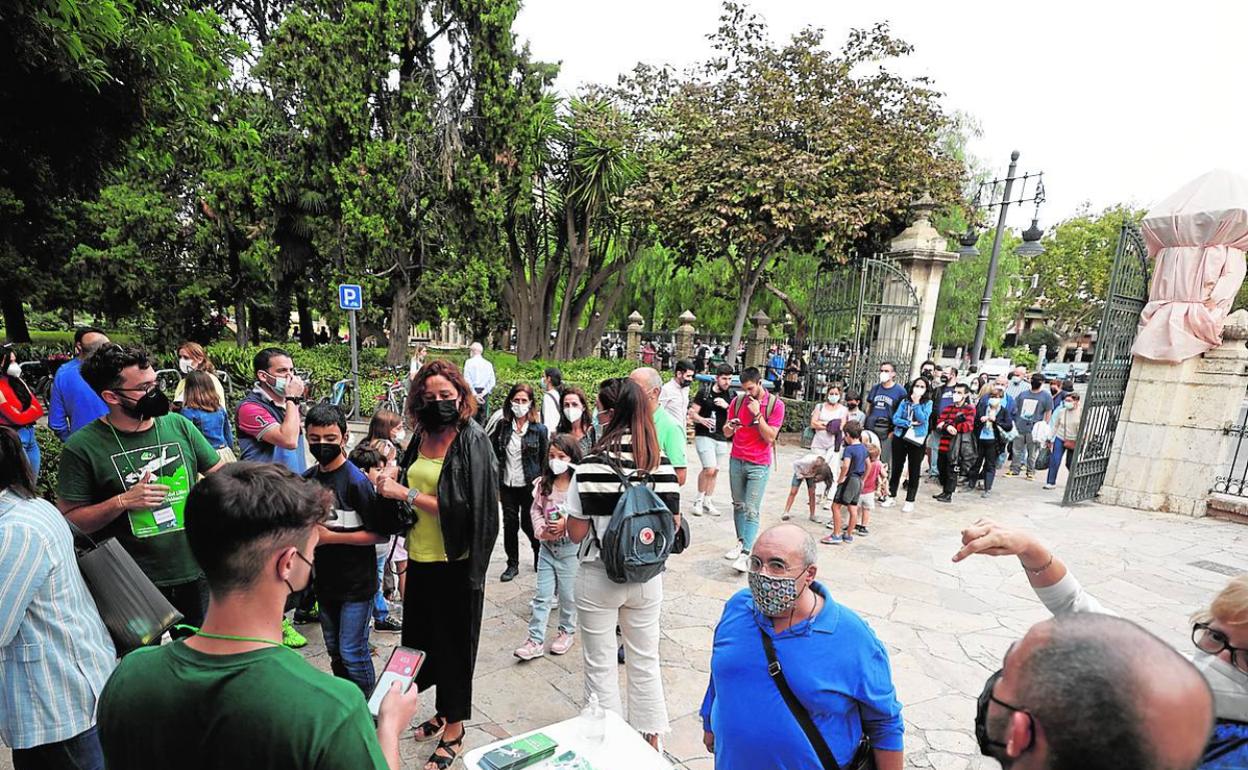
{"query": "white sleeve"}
pixel 572 503
pixel 1067 595
pixel 550 413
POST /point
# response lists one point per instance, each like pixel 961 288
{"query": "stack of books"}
pixel 520 753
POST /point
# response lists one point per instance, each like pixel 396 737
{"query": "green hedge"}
pixel 50 461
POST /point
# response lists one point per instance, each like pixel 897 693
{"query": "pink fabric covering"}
pixel 1197 239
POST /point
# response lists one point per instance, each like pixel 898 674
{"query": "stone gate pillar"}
pixel 1171 439
pixel 684 336
pixel 756 344
pixel 920 252
pixel 632 345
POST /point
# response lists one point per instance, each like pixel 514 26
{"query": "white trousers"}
pixel 601 605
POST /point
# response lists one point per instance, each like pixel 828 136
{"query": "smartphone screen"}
pixel 403 666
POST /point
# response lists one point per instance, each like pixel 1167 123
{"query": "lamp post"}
pixel 1031 238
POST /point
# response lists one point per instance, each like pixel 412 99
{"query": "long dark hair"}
pixel 630 416
pixel 521 387
pixel 15 471
pixel 587 419
pixel 927 389
pixel 19 386
pixel 570 447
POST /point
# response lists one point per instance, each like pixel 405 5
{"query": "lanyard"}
pixel 227 637
pixel 159 444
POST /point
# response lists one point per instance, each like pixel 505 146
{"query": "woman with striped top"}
pixel 628 443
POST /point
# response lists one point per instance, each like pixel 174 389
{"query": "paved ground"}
pixel 946 626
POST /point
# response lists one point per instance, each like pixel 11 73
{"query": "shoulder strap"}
pixel 795 706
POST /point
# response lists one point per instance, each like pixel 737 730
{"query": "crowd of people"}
pixel 311 524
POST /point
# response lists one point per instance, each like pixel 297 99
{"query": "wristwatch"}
pixel 412 494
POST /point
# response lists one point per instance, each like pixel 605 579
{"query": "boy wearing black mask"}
pixel 346 575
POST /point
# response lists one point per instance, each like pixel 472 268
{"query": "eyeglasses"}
pixel 1213 641
pixel 771 568
pixel 145 388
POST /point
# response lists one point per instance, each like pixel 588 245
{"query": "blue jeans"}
pixel 27 435
pixel 345 627
pixel 82 752
pixel 1055 459
pixel 381 610
pixel 747 481
pixel 556 571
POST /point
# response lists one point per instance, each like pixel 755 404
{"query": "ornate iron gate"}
pixel 863 313
pixel 1111 366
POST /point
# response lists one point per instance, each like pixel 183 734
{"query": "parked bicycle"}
pixel 340 395
pixel 395 396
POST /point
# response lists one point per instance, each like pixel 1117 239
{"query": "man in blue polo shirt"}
pixel 828 656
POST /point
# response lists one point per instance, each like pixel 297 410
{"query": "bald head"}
pixel 476 349
pixel 650 382
pixel 788 542
pixel 1108 694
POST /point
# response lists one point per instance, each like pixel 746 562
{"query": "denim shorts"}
pixel 811 482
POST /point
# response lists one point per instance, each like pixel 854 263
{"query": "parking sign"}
pixel 350 297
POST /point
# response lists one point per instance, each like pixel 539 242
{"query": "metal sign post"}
pixel 351 299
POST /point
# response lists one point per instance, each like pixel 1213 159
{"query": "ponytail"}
pixel 15 471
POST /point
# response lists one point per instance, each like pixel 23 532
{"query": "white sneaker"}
pixel 889 503
pixel 709 507
pixel 1050 486
pixel 697 507
pixel 907 508
pixel 735 553
pixel 742 563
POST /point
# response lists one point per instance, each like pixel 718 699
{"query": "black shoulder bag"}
pixel 863 758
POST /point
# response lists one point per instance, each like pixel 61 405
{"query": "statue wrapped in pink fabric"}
pixel 1196 239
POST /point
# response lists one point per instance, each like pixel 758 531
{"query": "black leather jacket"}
pixel 467 497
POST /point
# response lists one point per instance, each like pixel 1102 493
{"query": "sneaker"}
pixel 943 498
pixel 563 643
pixel 986 493
pixel 292 638
pixel 785 516
pixel 697 507
pixel 509 575
pixel 908 507
pixel 861 529
pixel 389 625
pixel 888 503
pixel 529 650
pixel 735 552
pixel 308 616
pixel 1011 472
pixel 829 525
pixel 1050 486
pixel 742 564
pixel 832 540
pixel 847 538
pixel 709 507
pixel 1031 476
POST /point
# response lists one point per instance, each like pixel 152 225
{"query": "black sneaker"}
pixel 944 498
pixel 303 618
pixel 860 530
pixel 389 624
pixel 509 575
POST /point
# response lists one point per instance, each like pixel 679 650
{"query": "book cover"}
pixel 519 753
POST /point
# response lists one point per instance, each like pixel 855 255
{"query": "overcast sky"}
pixel 1115 101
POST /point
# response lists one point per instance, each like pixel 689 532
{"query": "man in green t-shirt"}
pixel 127 475
pixel 232 696
pixel 671 434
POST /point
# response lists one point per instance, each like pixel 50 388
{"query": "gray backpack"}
pixel 639 536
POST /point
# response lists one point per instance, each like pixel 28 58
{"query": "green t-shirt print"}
pixel 98 463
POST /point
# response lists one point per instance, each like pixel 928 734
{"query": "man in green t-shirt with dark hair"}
pixel 232 696
pixel 127 475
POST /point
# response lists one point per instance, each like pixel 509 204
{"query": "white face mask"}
pixel 186 365
pixel 573 413
pixel 886 376
pixel 520 410
pixel 559 467
pixel 398 436
pixel 1229 685
pixel 14 370
pixel 834 398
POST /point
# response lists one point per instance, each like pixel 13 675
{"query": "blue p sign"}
pixel 350 297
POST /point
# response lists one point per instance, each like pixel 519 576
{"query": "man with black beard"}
pixel 127 475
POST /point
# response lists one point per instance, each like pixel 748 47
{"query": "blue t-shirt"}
pixel 857 456
pixel 1227 747
pixel 833 662
pixel 73 404
pixel 883 401
pixel 1030 408
pixel 346 572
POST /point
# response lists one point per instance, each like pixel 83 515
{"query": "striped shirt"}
pixel 596 488
pixel 55 654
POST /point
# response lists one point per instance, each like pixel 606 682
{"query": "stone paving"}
pixel 946 625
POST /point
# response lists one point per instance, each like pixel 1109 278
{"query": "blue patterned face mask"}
pixel 774 596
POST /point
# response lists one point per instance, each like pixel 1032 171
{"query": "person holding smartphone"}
pixel 754 420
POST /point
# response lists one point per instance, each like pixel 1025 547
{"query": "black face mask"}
pixel 439 414
pixel 292 598
pixel 987 746
pixel 1037 383
pixel 153 404
pixel 685 383
pixel 325 453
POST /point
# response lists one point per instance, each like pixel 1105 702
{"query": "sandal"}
pixel 427 731
pixel 452 748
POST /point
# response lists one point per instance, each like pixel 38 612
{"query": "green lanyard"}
pixel 227 637
pixel 129 462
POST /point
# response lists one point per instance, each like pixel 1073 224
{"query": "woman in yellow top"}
pixel 193 358
pixel 449 477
